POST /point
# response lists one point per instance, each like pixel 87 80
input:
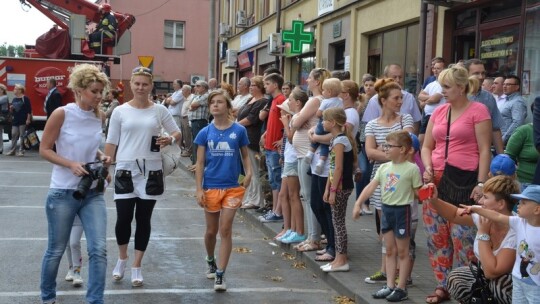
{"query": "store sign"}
pixel 496 47
pixel 251 38
pixel 325 6
pixel 297 37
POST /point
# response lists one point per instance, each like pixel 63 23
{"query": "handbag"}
pixel 456 184
pixel 480 292
pixel 30 139
pixel 170 154
pixel 5 118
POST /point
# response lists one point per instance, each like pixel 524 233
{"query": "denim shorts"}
pixel 274 169
pixel 396 219
pixel 290 169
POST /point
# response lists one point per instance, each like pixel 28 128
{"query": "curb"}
pixel 338 284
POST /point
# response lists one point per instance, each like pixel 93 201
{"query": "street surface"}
pixel 174 266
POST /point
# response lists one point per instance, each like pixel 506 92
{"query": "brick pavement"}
pixel 364 253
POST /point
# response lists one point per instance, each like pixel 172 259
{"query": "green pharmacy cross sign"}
pixel 297 37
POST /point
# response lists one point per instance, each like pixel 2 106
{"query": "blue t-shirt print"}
pixel 223 157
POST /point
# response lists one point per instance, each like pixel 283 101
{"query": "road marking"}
pixel 108 208
pixel 27 186
pixel 166 291
pixel 26 172
pixel 156 238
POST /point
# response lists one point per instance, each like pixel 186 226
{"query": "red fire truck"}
pixel 60 49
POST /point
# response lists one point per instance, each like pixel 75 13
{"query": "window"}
pixel 395 46
pixel 174 34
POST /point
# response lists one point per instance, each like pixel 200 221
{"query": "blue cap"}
pixel 532 193
pixel 415 142
pixel 502 164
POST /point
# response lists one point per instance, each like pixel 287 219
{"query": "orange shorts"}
pixel 217 199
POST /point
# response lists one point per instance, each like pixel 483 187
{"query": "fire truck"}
pixel 61 48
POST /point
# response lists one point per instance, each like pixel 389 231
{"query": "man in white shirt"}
pixel 212 85
pixel 175 102
pixel 243 95
pixel 187 140
pixel 430 98
pixel 497 89
pixel 373 109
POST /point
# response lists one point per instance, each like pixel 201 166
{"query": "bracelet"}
pixel 332 189
pixel 483 237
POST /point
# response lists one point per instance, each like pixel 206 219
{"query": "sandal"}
pixel 324 258
pixel 320 252
pixel 310 246
pixel 438 298
pixel 301 244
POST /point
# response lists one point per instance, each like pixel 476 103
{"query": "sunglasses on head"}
pixel 141 70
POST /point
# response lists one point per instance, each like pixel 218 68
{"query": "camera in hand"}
pixel 154 147
pixel 98 173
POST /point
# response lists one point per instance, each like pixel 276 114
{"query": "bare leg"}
pixel 212 226
pixel 225 233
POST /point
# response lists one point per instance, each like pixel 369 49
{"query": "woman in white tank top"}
pixel 76 131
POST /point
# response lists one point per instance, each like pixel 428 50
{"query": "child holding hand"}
pixel 399 180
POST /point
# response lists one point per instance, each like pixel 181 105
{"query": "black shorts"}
pixel 396 219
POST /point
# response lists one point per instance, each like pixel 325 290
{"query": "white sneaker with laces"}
pixel 77 280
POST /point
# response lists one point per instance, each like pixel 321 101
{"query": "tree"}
pixel 11 50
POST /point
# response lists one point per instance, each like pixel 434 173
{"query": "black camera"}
pixel 98 173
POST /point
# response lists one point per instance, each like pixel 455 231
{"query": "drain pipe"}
pixel 421 46
pixel 278 30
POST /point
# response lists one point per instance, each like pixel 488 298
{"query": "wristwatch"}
pixel 480 184
pixel 483 237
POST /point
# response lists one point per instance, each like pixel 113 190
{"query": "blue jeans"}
pixel 366 167
pixel 274 169
pixel 61 209
pixel 325 149
pixel 323 211
pixel 196 126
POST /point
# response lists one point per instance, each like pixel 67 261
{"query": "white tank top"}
pixel 79 140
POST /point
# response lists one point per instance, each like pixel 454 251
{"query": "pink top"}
pixel 463 148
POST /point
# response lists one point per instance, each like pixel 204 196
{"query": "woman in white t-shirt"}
pixel 494 245
pixel 134 141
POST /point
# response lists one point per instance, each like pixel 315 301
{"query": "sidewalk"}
pixel 364 252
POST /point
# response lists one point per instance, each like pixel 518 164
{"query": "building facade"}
pixel 170 37
pixel 363 36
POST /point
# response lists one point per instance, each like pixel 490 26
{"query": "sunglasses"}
pixel 141 70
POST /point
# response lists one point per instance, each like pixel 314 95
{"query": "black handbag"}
pixel 480 292
pixel 456 185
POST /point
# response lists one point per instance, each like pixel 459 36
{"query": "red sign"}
pixel 243 61
pixel 47 73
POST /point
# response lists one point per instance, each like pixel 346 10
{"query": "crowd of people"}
pixel 300 155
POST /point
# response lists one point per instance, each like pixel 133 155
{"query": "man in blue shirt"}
pixel 514 109
pixel 476 69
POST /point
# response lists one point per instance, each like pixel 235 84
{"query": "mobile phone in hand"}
pixel 425 193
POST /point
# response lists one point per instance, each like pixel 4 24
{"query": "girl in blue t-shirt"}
pixel 221 146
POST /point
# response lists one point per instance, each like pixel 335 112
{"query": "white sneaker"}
pixel 77 280
pixel 308 158
pixel 69 275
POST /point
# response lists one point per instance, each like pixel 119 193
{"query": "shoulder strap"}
pixel 447 135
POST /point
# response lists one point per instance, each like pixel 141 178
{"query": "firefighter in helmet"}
pixel 106 28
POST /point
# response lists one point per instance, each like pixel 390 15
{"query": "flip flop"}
pixel 324 258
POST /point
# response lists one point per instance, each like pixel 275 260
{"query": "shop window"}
pixel 466 18
pixel 306 65
pixel 499 50
pixel 174 34
pixel 395 46
pixel 465 46
pixel 337 52
pixel 499 10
